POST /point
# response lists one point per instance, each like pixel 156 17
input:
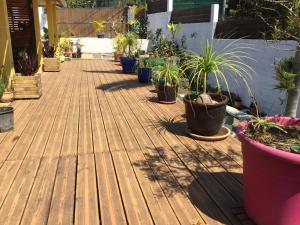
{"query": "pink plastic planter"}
pixel 271 180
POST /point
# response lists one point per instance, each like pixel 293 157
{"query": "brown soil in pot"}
pixel 289 142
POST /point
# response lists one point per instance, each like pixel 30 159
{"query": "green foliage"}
pixel 119 43
pixel 130 44
pixel 2 84
pixel 215 63
pixel 79 3
pixel 174 29
pixel 260 126
pixel 167 74
pixel 285 75
pixel 146 62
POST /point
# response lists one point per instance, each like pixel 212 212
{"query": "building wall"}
pixel 262 85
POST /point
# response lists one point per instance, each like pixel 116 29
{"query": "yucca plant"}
pixel 167 74
pixel 229 61
pixel 119 43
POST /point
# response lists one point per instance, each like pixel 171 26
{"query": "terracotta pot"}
pixel 167 94
pixel 271 180
pixel 204 119
pixel 7 97
pixel 117 56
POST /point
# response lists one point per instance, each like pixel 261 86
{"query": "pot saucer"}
pixel 167 103
pixel 223 133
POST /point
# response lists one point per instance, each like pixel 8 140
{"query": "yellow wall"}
pixel 37 30
pixel 51 17
pixel 6 56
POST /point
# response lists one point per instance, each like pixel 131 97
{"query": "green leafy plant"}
pixel 167 74
pixel 174 29
pixel 130 44
pixel 152 62
pixel 263 125
pixel 285 75
pixel 2 83
pixel 119 43
pixel 27 63
pixel 229 61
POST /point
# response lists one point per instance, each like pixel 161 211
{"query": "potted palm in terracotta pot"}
pixel 205 112
pixel 128 61
pixel 166 78
pixel 6 112
pixel 119 46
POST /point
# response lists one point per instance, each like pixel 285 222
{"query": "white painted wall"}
pixel 262 84
pixel 95 45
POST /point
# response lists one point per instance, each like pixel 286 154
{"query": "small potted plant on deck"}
pixel 205 112
pixel 128 61
pixel 119 41
pixel 166 79
pixel 6 112
pixel 50 62
pixel 146 66
pixel 99 26
pixel 27 82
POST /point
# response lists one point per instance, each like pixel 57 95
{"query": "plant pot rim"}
pixel 224 102
pixel 6 109
pixel 267 150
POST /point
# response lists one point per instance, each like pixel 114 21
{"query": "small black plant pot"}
pixel 167 94
pixel 204 119
pixel 100 35
pixel 128 64
pixel 144 75
pixel 6 119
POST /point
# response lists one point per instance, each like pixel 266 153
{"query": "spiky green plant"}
pixel 285 75
pixel 174 28
pixel 167 74
pixel 99 25
pixel 130 44
pixel 119 43
pixel 229 61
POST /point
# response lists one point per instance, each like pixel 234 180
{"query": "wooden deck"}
pixel 98 149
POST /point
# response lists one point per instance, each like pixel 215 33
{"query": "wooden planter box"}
pixel 27 87
pixel 51 65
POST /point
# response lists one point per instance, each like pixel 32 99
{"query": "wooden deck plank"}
pixel 111 206
pixel 62 203
pixel 86 204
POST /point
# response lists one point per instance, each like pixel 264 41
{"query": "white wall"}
pixel 103 45
pixel 263 82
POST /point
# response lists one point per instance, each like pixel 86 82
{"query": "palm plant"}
pixel 119 43
pixel 285 75
pixel 130 44
pixel 99 25
pixel 167 74
pixel 229 61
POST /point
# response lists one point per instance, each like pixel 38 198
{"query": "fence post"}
pixel 214 14
pixel 170 5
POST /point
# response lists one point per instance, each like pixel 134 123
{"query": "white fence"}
pixel 262 85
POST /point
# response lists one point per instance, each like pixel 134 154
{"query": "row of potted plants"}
pixel 270 145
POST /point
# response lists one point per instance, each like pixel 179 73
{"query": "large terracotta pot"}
pixel 203 119
pixel 271 180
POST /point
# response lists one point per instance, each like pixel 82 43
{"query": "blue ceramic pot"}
pixel 128 64
pixel 144 75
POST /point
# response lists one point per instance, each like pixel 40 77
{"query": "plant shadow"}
pixel 121 85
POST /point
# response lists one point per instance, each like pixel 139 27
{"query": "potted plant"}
pixel 50 62
pixel 6 113
pixel 205 112
pixel 146 65
pixel 99 26
pixel 119 41
pixel 7 95
pixel 167 77
pixel 271 169
pixel 27 82
pixel 128 61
